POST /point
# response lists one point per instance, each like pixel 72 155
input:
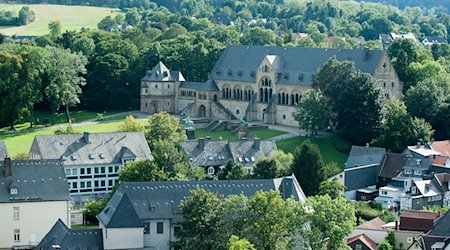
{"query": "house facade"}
pixel 92 161
pixel 33 195
pixel 146 214
pixel 257 83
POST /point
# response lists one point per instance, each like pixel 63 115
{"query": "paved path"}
pixel 290 131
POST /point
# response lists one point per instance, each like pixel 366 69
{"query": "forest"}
pixel 112 61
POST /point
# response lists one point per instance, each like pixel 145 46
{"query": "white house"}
pixel 33 195
pixel 389 196
pixel 145 214
pixel 92 161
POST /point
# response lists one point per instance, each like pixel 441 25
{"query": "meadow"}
pixel 71 18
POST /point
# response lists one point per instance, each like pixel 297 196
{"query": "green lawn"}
pixel 327 149
pixel 261 133
pixel 46 117
pixel 20 141
pixel 71 18
pixel 264 133
pixel 224 134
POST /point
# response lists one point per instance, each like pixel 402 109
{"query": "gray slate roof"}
pixel 436 39
pixel 209 85
pixel 363 156
pixel 392 165
pixel 160 200
pixel 441 226
pixel 219 152
pixel 35 180
pixel 102 148
pixel 248 152
pixel 161 73
pixel 297 65
pixel 67 238
pixel 3 150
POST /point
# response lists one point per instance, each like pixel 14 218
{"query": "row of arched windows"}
pixel 286 99
pixel 265 95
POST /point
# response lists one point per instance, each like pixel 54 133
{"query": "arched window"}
pixel 223 93
pixel 261 94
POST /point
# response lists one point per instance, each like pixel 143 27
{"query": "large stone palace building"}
pixel 257 83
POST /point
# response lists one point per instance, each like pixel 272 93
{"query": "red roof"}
pixel 375 223
pixel 442 147
pixel 364 239
pixel 443 179
pixel 419 215
pixel 439 160
pixel 417 220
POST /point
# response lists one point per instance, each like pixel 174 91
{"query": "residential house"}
pixel 387 39
pixel 3 150
pixel 213 155
pixel 438 237
pixel 418 221
pixel 33 195
pixel 406 239
pixel 430 40
pixel 257 83
pixel 92 161
pixel 444 182
pixel 392 166
pixel 423 194
pixel 372 229
pixel 62 237
pixel 389 196
pixel 145 214
pixel 361 242
pixel 362 168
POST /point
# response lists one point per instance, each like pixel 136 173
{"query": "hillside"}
pixel 71 17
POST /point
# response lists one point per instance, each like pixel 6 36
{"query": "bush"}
pixel 67 130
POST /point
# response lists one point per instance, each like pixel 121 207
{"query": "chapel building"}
pixel 257 83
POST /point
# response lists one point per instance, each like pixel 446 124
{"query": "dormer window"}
pixel 13 191
pixel 301 76
pixel 240 72
pixel 230 72
pixel 286 76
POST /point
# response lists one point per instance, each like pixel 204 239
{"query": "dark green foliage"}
pixel 265 169
pixel 233 171
pixel 92 209
pixel 144 170
pixel 308 167
pixel 353 97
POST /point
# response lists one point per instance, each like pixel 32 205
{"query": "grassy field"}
pixel 45 117
pixel 71 18
pixel 326 147
pixel 20 141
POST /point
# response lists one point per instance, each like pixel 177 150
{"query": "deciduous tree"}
pixel 330 220
pixel 312 113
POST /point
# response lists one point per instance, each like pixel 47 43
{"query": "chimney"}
pixel 396 224
pixel 256 143
pixel 86 137
pixel 201 143
pixel 7 166
pixel 367 145
pixel 366 54
pixel 419 144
